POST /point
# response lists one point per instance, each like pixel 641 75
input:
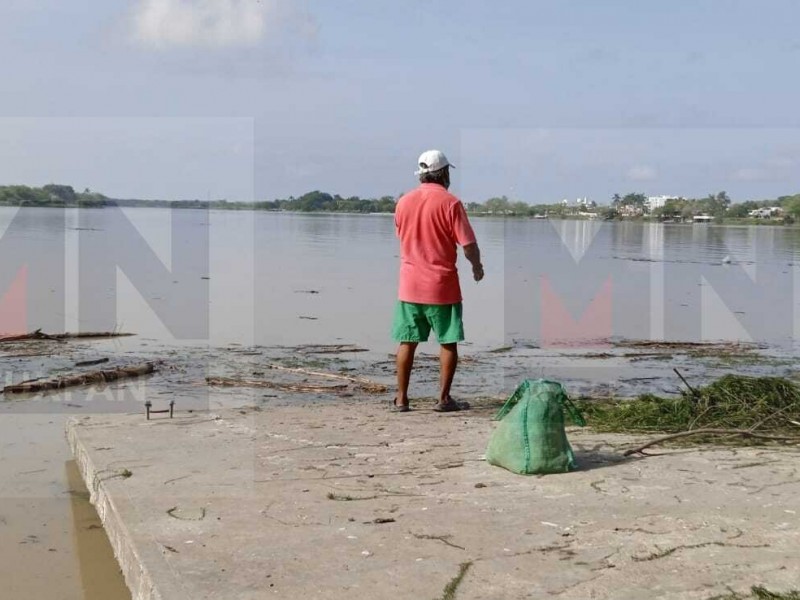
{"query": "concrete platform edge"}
pixel 140 581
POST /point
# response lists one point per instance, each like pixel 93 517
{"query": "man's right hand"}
pixel 477 272
pixel 473 255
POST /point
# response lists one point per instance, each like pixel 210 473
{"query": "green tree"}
pixel 792 206
pixel 386 204
pixel 609 213
pixel 741 210
pixel 636 200
pixel 520 208
pixel 314 201
pixel 717 204
pixel 497 205
pixel 64 193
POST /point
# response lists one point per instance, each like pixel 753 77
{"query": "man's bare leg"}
pixel 405 361
pixel 448 361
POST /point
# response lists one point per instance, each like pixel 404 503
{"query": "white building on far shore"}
pixel 654 202
pixel 581 202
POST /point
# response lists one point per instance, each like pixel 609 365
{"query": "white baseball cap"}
pixel 432 160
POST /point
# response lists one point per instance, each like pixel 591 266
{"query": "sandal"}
pixel 451 406
pixel 399 407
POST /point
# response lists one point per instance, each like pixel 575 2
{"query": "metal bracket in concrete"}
pixel 148 406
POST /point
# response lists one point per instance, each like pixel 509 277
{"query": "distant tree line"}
pixel 66 196
pixel 322 202
pixel 503 206
pixel 633 204
pixel 49 195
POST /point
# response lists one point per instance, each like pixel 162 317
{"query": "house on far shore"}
pixel 631 210
pixel 767 212
pixel 702 219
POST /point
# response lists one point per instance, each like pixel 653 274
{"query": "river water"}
pixel 221 291
pixel 188 276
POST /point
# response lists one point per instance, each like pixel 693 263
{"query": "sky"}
pixel 537 100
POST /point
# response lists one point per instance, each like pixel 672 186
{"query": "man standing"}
pixel 430 222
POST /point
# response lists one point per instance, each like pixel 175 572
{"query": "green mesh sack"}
pixel 530 437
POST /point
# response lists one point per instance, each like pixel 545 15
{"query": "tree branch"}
pixel 742 432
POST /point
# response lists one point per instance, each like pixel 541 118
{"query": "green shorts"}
pixel 413 322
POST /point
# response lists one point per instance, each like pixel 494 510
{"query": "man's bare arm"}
pixel 473 255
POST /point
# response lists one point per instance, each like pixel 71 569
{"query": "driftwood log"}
pixel 328 348
pixel 287 387
pixel 91 363
pixel 39 335
pixel 105 376
pixel 362 382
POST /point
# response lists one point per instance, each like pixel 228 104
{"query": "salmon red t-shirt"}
pixel 430 222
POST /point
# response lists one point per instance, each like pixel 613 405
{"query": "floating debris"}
pixel 39 335
pixel 106 376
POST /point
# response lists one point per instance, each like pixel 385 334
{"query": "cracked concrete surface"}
pixel 348 500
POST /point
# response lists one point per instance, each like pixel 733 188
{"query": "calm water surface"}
pixel 218 277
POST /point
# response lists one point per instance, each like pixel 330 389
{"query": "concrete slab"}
pixel 347 500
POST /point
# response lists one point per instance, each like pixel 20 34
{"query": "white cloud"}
pixel 213 23
pixel 642 173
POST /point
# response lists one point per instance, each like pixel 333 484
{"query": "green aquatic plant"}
pixel 451 588
pixel 758 592
pixel 766 404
